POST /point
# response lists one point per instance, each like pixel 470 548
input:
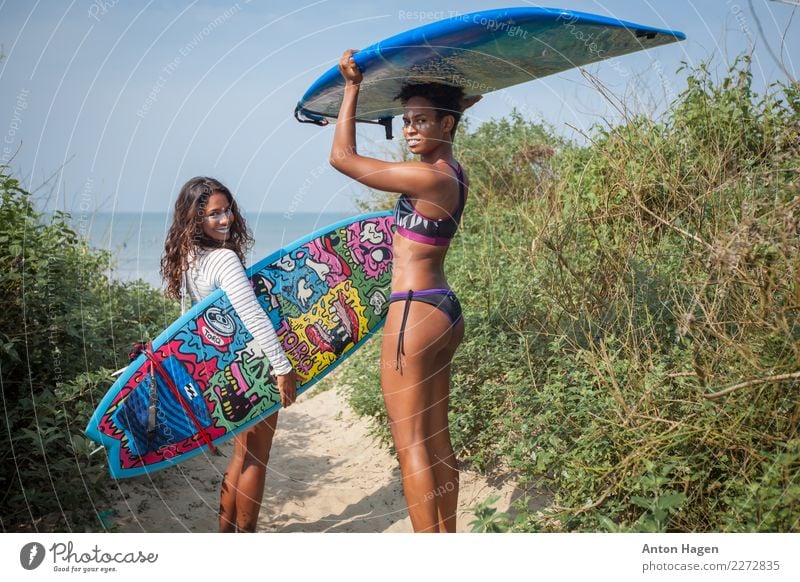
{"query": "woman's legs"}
pixel 416 401
pixel 243 483
pixel 445 465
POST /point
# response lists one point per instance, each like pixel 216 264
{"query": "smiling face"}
pixel 423 130
pixel 217 217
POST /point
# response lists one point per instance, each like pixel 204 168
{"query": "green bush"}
pixel 631 306
pixel 63 328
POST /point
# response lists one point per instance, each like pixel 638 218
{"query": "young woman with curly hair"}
pixel 204 251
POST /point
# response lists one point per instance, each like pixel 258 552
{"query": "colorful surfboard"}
pixel 481 52
pixel 325 294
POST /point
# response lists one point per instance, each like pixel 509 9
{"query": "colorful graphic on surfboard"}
pixel 325 294
pixel 481 52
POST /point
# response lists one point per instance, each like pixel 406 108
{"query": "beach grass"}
pixel 632 304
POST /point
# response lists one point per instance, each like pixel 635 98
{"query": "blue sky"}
pixel 118 102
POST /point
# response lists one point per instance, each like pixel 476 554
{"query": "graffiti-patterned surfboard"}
pixel 325 294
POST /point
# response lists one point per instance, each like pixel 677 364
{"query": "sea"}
pixel 136 240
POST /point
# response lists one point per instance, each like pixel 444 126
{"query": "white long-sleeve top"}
pixel 210 269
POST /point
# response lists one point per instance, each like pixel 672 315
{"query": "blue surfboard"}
pixel 482 52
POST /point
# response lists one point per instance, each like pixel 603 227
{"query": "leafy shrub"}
pixel 631 306
pixel 64 326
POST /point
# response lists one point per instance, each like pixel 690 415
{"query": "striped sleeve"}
pixel 223 269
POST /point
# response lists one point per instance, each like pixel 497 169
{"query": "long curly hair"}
pixel 186 232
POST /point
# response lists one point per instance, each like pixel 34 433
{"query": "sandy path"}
pixel 326 474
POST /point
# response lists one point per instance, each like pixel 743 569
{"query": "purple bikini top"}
pixel 430 231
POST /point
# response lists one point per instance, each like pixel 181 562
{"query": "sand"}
pixel 326 474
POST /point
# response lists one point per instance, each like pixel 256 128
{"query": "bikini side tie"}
pixel 400 340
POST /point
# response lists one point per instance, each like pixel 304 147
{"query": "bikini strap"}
pixel 462 186
pixel 400 343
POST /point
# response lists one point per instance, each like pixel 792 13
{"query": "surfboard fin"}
pixel 304 116
pixel 386 122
